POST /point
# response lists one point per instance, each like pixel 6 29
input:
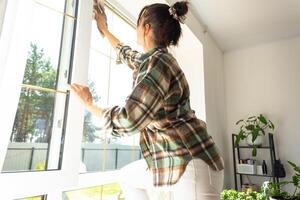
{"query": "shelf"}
pixel 237 149
pixel 264 175
pixel 251 147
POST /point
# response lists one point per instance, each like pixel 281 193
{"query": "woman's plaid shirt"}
pixel 159 108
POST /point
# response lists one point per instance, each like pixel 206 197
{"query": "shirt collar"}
pixel 152 51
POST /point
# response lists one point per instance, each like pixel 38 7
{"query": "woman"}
pixel 180 156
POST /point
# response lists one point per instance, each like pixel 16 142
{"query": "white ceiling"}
pixel 236 24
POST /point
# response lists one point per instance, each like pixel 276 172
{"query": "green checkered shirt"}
pixel 159 108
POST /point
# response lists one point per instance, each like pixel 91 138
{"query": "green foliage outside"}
pixel 33 121
pixel 34 117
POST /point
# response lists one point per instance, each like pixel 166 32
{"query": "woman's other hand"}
pixel 101 21
pixel 83 93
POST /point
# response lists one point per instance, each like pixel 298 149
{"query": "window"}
pixel 37 136
pixel 110 85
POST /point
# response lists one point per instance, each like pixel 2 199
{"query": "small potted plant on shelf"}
pixel 253 130
pixel 274 191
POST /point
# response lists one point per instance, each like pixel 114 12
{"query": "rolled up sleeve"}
pixel 128 56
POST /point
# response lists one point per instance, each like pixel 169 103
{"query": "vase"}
pixel 258 142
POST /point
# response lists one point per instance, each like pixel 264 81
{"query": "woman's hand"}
pixel 101 21
pixel 83 93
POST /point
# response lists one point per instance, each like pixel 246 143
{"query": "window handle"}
pixel 43 89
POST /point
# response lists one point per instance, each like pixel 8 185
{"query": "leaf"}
pixel 292 164
pixel 262 119
pixel 250 127
pixel 296 180
pixel 237 141
pixel 262 130
pixel 295 167
pixel 239 121
pixel 272 125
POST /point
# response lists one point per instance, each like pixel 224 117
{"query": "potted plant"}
pixel 253 129
pixel 274 191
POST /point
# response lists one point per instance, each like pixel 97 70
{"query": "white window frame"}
pixel 51 183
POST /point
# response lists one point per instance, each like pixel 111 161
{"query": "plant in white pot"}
pixel 253 130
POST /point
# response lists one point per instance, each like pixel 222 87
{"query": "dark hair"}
pixel 166 28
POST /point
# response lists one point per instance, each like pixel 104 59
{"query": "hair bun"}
pixel 181 8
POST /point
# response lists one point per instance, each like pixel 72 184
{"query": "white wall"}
pixel 214 86
pixel 265 79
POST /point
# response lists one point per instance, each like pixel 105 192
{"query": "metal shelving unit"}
pixel 236 156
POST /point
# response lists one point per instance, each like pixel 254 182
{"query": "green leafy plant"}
pixel 295 179
pixel 236 195
pixel 276 191
pixel 253 126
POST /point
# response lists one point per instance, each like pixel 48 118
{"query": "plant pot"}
pixel 258 142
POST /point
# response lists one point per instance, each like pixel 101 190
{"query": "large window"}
pixel 110 85
pixel 37 136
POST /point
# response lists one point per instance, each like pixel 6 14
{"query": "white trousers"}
pixel 199 182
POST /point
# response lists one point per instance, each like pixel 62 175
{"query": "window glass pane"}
pixel 126 33
pixel 33 127
pixel 121 82
pixel 110 85
pixel 51 39
pixel 37 135
pixel 99 76
pixel 105 192
pixel 46 38
pixel 58 5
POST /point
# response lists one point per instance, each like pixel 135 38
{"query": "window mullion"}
pixel 74 127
